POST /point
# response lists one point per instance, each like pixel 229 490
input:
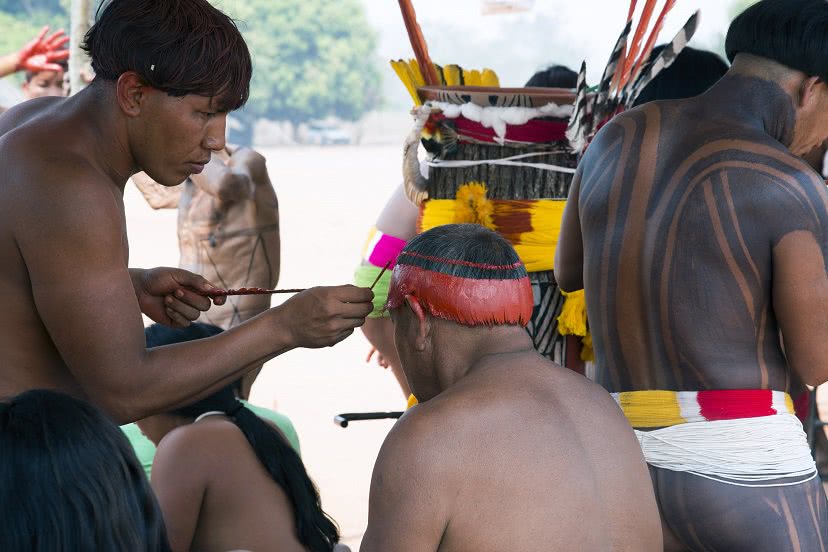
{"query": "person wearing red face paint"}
pixel 506 450
pixel 167 74
pixel 44 61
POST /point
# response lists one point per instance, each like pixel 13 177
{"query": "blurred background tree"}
pixel 312 59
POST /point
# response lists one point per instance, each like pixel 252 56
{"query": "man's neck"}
pixel 460 356
pixel 109 145
pixel 756 102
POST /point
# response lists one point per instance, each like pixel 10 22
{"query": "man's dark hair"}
pixel 69 480
pixel 465 251
pixel 178 46
pixel 555 76
pixel 692 73
pixel 314 529
pixel 791 32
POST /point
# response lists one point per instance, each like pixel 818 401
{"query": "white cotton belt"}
pixel 513 161
pixel 766 451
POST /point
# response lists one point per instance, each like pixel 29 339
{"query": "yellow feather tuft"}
pixel 473 206
pixel 573 318
pixel 587 352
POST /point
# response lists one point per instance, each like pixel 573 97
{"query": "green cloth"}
pixel 281 421
pixel 365 276
pixel 145 450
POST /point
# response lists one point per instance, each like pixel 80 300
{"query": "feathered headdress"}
pixel 627 72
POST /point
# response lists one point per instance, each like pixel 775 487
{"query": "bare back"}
pixel 685 208
pixel 216 495
pixel 519 455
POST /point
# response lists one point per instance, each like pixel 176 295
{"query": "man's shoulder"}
pixel 47 172
pixel 23 113
pixel 429 429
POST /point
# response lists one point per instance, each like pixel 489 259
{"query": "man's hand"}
pixel 324 316
pixel 170 296
pixel 41 53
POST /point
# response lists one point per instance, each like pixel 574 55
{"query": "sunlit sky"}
pixel 516 45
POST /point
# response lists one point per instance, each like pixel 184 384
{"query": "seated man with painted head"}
pixel 506 450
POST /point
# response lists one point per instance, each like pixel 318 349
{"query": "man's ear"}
pixel 809 88
pixel 131 93
pixel 423 324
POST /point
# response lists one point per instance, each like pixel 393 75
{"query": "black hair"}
pixel 158 334
pixel 465 251
pixel 791 32
pixel 554 76
pixel 692 73
pixel 178 46
pixel 69 480
pixel 314 528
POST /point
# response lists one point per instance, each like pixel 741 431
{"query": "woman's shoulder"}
pixel 201 442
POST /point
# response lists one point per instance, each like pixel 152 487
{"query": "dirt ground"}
pixel 329 197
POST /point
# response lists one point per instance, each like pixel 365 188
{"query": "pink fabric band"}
pixel 383 249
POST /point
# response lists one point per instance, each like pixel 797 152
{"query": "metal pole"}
pixel 81 17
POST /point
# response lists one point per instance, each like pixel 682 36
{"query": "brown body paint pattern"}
pixel 680 209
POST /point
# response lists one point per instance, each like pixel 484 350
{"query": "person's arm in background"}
pixel 396 223
pixel 250 165
pixel 40 54
pixel 157 195
pixel 569 254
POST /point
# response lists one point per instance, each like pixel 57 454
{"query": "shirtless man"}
pixel 228 232
pixel 699 235
pixel 507 450
pixel 167 74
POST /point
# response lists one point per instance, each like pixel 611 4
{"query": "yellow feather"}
pixel 471 78
pixel 489 78
pixel 452 75
pixel 415 70
pixel 403 71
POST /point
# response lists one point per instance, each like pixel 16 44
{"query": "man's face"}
pixel 174 137
pixel 45 83
pixel 811 126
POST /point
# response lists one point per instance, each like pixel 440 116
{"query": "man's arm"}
pixel 569 254
pixel 251 166
pixel 411 489
pixel 157 195
pixel 74 247
pixel 800 275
